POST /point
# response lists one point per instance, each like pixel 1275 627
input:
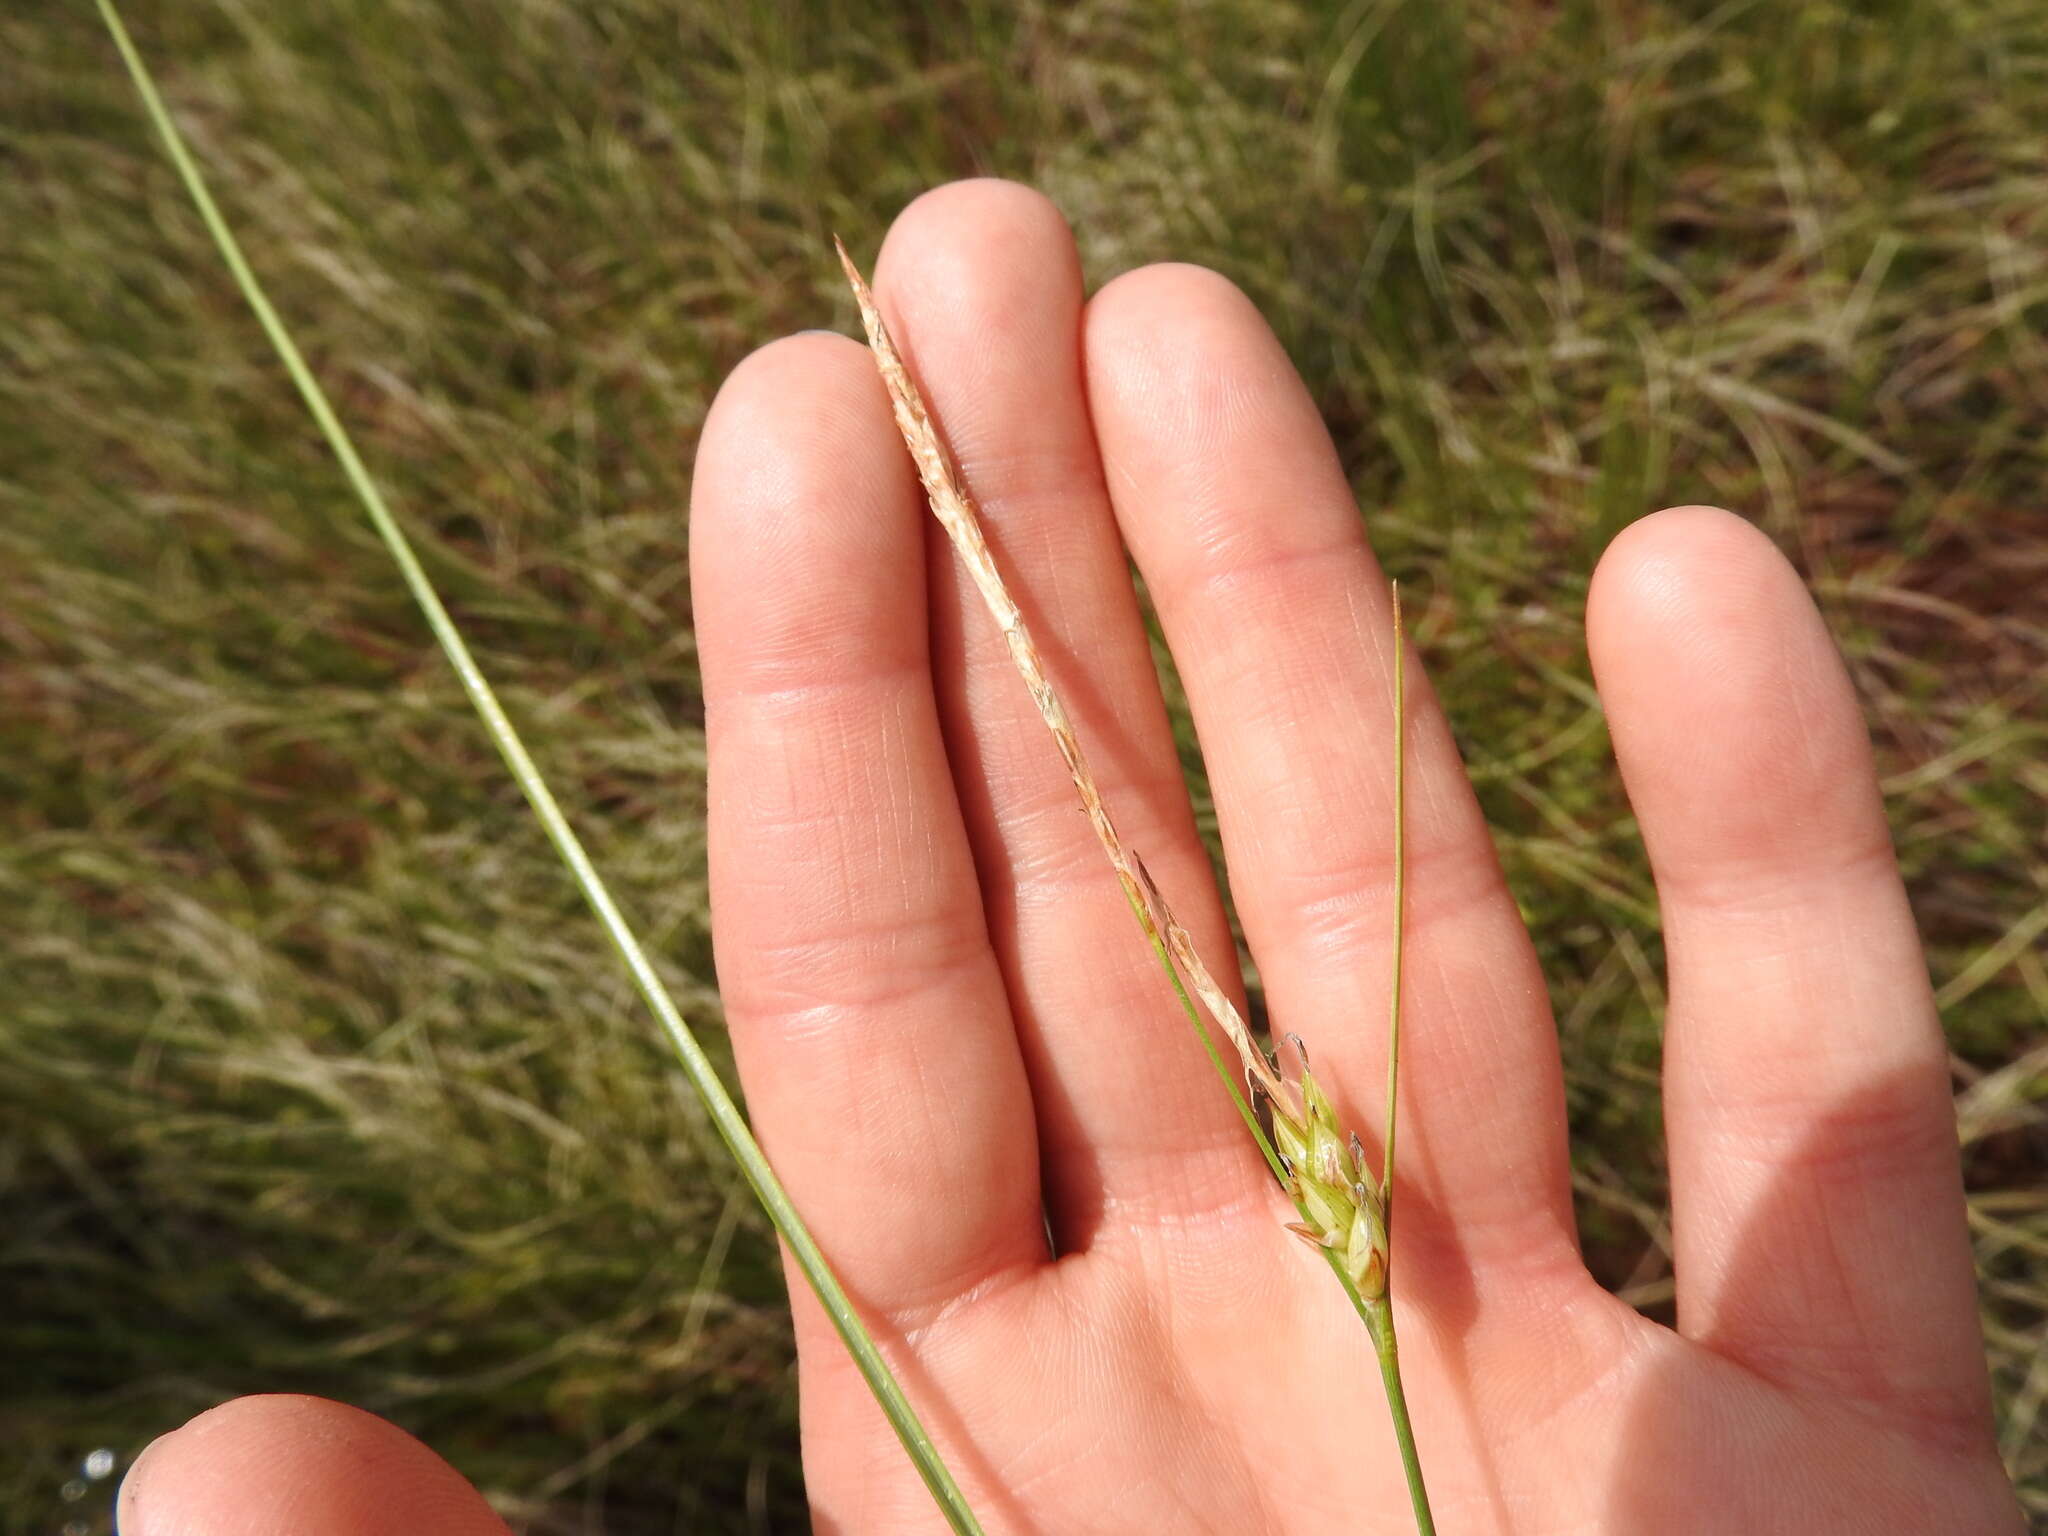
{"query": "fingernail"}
pixel 820 331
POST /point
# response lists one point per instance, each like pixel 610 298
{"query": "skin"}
pixel 951 1035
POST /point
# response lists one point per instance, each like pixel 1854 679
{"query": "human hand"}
pixel 953 1038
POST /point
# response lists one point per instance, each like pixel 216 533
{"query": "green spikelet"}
pixel 1326 1175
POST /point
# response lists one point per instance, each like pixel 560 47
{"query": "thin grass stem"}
pixel 1384 1339
pixel 1399 923
pixel 697 1067
pixel 1389 1351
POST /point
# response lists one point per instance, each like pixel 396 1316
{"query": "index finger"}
pixel 867 1010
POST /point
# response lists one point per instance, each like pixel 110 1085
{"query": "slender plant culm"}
pixel 697 1067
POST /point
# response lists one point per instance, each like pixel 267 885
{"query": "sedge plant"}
pixel 1345 1209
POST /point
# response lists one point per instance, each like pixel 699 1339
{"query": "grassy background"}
pixel 312 1072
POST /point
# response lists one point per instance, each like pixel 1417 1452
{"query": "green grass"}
pixel 312 1071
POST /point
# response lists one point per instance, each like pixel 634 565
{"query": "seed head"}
pixel 1326 1174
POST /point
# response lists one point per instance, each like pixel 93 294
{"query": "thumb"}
pixel 260 1465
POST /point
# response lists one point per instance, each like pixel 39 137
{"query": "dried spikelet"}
pixel 1324 1169
pixel 1258 1071
pixel 958 515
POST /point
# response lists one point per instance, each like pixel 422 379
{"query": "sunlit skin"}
pixel 951 1035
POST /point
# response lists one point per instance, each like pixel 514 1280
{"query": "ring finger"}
pixel 1232 500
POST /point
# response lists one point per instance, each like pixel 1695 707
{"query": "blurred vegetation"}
pixel 313 1073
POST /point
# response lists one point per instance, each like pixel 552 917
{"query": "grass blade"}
pixel 1387 1345
pixel 697 1067
pixel 1400 902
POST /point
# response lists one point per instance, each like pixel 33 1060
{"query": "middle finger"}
pixel 982 289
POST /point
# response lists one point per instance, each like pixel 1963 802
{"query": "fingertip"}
pixel 981 283
pixel 1156 301
pixel 984 247
pixel 1176 343
pixel 1180 360
pixel 800 396
pixel 257 1465
pixel 1692 573
pixel 132 1501
pixel 1731 712
pixel 802 498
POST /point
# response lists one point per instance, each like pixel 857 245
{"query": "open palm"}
pixel 966 1065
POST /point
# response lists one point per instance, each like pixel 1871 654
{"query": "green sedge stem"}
pixel 697 1067
pixel 1383 1336
pixel 1389 1352
pixel 1400 912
